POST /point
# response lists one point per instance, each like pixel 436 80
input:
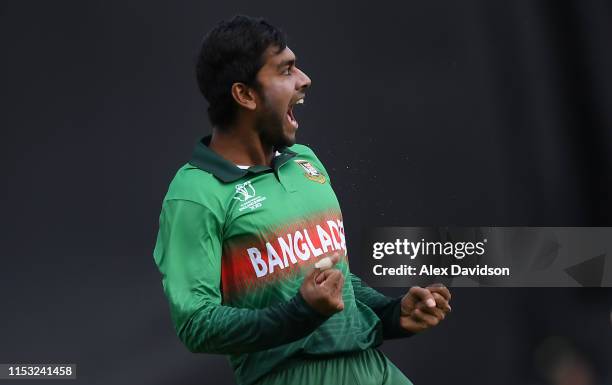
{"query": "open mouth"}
pixel 290 117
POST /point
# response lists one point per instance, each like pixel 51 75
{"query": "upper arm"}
pixel 188 255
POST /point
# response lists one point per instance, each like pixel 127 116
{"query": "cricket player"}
pixel 251 243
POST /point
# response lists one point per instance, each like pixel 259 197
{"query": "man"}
pixel 245 221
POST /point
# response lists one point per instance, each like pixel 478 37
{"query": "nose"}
pixel 304 81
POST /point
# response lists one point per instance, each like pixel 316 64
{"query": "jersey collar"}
pixel 207 160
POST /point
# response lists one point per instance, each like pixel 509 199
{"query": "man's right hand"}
pixel 322 290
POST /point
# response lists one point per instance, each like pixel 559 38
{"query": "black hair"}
pixel 233 52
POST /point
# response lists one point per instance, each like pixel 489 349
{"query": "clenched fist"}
pixel 423 308
pixel 322 290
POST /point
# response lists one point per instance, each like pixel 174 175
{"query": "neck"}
pixel 241 146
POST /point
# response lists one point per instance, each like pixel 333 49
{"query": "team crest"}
pixel 311 172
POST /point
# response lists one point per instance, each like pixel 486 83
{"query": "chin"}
pixel 289 139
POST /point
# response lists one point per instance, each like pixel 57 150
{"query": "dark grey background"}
pixel 425 113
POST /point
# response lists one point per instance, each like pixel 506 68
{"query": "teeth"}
pixel 301 101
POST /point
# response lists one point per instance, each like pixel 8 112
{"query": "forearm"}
pixel 228 330
pixel 388 309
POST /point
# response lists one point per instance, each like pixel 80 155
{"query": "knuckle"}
pixel 421 317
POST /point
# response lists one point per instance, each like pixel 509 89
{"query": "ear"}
pixel 244 96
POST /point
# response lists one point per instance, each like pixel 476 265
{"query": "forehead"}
pixel 272 58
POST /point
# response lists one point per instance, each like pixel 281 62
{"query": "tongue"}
pixel 290 113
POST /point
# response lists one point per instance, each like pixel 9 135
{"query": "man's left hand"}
pixel 423 308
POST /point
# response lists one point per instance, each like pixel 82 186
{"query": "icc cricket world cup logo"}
pixel 244 191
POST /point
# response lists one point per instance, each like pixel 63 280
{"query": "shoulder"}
pixel 306 152
pixel 193 184
pixel 302 149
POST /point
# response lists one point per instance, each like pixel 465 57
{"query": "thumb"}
pixel 423 295
pixel 335 259
pixel 311 276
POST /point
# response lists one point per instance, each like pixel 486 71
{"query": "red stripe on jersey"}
pixel 243 272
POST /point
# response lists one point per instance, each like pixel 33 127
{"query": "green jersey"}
pixel 233 247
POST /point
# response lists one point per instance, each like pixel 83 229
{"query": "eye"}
pixel 287 71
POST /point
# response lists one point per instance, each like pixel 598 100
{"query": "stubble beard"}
pixel 270 128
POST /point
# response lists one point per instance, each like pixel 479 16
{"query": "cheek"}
pixel 279 94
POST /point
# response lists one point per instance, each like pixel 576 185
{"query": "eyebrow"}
pixel 284 63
